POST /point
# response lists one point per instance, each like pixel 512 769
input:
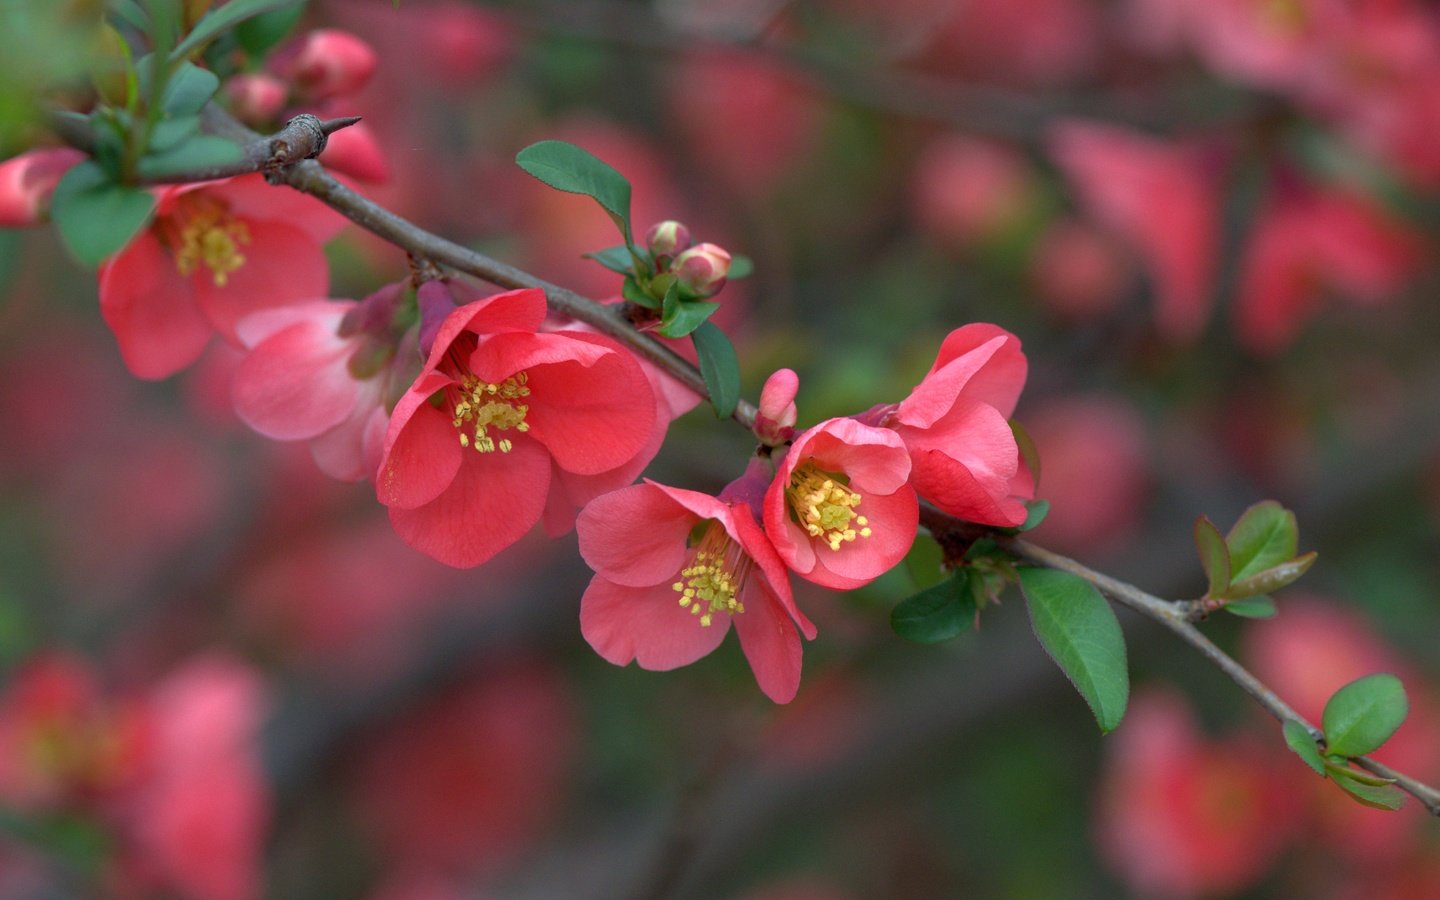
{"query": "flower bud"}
pixel 256 98
pixel 702 269
pixel 326 63
pixel 28 180
pixel 667 238
pixel 775 419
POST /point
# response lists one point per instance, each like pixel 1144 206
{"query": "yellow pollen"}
pixel 208 235
pixel 714 576
pixel 825 506
pixel 483 405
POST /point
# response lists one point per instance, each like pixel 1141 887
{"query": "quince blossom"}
pixel 673 569
pixel 500 417
pixel 216 252
pixel 839 510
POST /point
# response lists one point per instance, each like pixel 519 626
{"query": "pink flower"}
pixel 216 252
pixel 310 378
pixel 839 510
pixel 467 463
pixel 1159 198
pixel 325 63
pixel 673 569
pixel 28 180
pixel 963 454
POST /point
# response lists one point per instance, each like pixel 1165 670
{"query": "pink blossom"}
pixel 839 511
pixel 216 252
pixel 255 98
pixel 1079 273
pixel 325 63
pixel 964 457
pixel 466 478
pixel 1181 815
pixel 1159 198
pixel 965 189
pixel 28 180
pixel 673 569
pixel 310 377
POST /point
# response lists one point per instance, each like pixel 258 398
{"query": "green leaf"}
pixel 741 266
pixel 632 291
pixel 222 19
pixel 257 35
pixel 1387 797
pixel 200 152
pixel 568 168
pixel 1273 578
pixel 1298 738
pixel 1257 607
pixel 719 367
pixel 96 216
pixel 1035 513
pixel 937 613
pixel 170 132
pixel 1028 453
pixel 1339 770
pixel 1265 536
pixel 1080 632
pixel 616 259
pixel 1214 557
pixel 680 317
pixel 1363 714
pixel 188 89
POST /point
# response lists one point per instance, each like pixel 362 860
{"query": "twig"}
pixel 310 177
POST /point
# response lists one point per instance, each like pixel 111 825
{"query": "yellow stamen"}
pixel 714 576
pixel 209 235
pixel 823 504
pixel 483 405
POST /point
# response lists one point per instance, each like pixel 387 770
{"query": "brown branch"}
pixel 310 177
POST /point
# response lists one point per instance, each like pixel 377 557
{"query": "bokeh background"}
pixel 1213 223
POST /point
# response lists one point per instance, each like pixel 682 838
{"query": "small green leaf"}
pixel 567 167
pixel 741 266
pixel 1273 578
pixel 680 317
pixel 1214 557
pixel 1341 770
pixel 200 152
pixel 96 216
pixel 1363 714
pixel 189 89
pixel 221 19
pixel 259 34
pixel 1028 453
pixel 1080 632
pixel 1265 536
pixel 1387 797
pixel 1035 513
pixel 1298 738
pixel 170 132
pixel 719 367
pixel 616 259
pixel 1257 607
pixel 632 291
pixel 937 613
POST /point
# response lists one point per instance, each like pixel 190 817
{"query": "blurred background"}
pixel 1213 224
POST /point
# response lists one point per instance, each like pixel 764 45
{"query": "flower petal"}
pixel 635 536
pixel 151 309
pixel 1000 379
pixel 492 501
pixel 894 520
pixel 645 624
pixel 771 645
pixel 937 392
pixel 422 449
pixel 521 310
pixel 295 384
pixel 283 265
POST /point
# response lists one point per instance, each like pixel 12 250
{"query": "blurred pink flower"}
pixel 673 569
pixel 325 63
pixel 967 189
pixel 1079 273
pixel 28 180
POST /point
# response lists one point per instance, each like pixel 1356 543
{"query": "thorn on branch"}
pixel 303 137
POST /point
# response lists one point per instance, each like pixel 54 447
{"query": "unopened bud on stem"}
pixel 667 238
pixel 702 269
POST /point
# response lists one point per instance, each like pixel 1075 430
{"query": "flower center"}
pixel 208 235
pixel 824 506
pixel 713 576
pixel 483 405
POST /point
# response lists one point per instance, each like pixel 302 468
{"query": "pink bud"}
pixel 27 181
pixel 702 269
pixel 354 151
pixel 775 421
pixel 256 98
pixel 667 238
pixel 326 63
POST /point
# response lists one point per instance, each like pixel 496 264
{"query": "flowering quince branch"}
pixel 731 551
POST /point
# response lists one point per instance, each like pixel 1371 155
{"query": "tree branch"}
pixel 309 177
